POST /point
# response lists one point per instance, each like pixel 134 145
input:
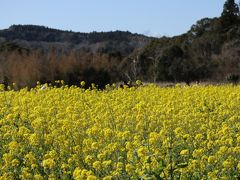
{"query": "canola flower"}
pixel 131 133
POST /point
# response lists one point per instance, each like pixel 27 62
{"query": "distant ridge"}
pixel 42 33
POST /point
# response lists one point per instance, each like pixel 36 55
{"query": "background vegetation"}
pixel 209 51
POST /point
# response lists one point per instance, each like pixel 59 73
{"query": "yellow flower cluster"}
pixel 120 133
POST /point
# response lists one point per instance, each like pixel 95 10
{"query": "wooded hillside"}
pixel 209 51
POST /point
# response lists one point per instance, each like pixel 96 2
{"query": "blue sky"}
pixel 150 17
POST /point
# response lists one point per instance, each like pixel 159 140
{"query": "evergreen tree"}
pixel 230 12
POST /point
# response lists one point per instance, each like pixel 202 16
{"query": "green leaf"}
pixel 182 165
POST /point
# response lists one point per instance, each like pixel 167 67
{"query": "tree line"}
pixel 209 51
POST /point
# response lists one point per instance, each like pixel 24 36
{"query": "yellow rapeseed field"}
pixel 132 133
